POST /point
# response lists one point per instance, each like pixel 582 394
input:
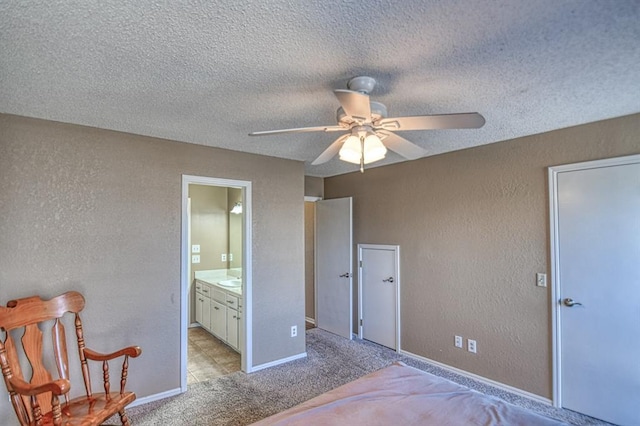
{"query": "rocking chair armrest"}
pixel 132 351
pixel 57 387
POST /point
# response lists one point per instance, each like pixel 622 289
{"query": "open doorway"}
pixel 216 265
pixel 309 260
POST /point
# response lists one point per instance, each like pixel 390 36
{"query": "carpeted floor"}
pixel 240 399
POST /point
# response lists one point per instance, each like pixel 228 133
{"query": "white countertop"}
pixel 213 276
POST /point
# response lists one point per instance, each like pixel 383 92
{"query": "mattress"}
pixel 403 395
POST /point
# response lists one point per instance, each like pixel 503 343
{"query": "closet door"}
pixel 598 272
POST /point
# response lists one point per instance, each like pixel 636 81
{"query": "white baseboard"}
pixel 481 379
pixel 277 362
pixel 310 320
pixel 155 397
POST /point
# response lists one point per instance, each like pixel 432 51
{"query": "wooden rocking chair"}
pixel 38 402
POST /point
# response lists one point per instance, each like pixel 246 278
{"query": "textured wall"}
pixel 100 212
pixel 473 230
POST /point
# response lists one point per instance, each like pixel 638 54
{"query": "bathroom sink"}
pixel 231 283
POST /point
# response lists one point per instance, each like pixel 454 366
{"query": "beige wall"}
pixel 473 230
pixel 235 229
pixel 100 212
pixel 313 186
pixel 209 229
pixel 209 225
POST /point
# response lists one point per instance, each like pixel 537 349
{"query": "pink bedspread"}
pixel 402 395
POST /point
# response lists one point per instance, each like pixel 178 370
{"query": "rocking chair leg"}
pixel 123 418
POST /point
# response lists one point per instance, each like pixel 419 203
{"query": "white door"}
pixel 597 254
pixel 334 266
pixel 378 283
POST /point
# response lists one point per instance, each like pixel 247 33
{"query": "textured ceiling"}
pixel 211 72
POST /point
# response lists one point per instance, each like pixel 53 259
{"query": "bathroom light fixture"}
pixel 362 147
pixel 237 208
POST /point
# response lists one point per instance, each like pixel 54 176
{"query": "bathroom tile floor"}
pixel 208 357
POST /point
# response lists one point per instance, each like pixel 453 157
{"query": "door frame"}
pixel 247 281
pixel 556 311
pixel 313 199
pixel 396 250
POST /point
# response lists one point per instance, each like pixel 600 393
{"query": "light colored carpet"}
pixel 240 399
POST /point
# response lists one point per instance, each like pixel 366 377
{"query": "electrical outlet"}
pixel 458 341
pixel 195 248
pixel 541 279
pixel 195 258
pixel 471 346
pixel 223 257
pixel 230 257
pixel 294 330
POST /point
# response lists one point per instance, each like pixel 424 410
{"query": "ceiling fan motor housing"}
pixel 378 112
pixel 362 84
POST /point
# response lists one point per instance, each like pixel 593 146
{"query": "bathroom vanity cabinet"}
pixel 217 310
pixel 218 320
pixel 233 320
pixel 203 306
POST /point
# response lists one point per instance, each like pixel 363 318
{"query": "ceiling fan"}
pixel 367 126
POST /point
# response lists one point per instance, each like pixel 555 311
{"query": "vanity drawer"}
pixel 206 290
pixel 232 301
pixel 203 289
pixel 219 295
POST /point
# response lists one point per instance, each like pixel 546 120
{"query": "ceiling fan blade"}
pixel 355 104
pixel 330 152
pixel 400 145
pixel 300 130
pixel 469 120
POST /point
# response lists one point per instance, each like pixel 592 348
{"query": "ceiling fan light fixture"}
pixel 374 150
pixel 350 151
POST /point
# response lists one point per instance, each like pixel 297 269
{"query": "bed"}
pixel 402 395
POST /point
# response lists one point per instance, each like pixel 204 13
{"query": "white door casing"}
pixel 595 230
pixel 310 293
pixel 246 331
pixel 334 266
pixel 379 294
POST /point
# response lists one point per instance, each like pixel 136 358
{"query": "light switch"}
pixel 195 258
pixel 195 248
pixel 541 279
